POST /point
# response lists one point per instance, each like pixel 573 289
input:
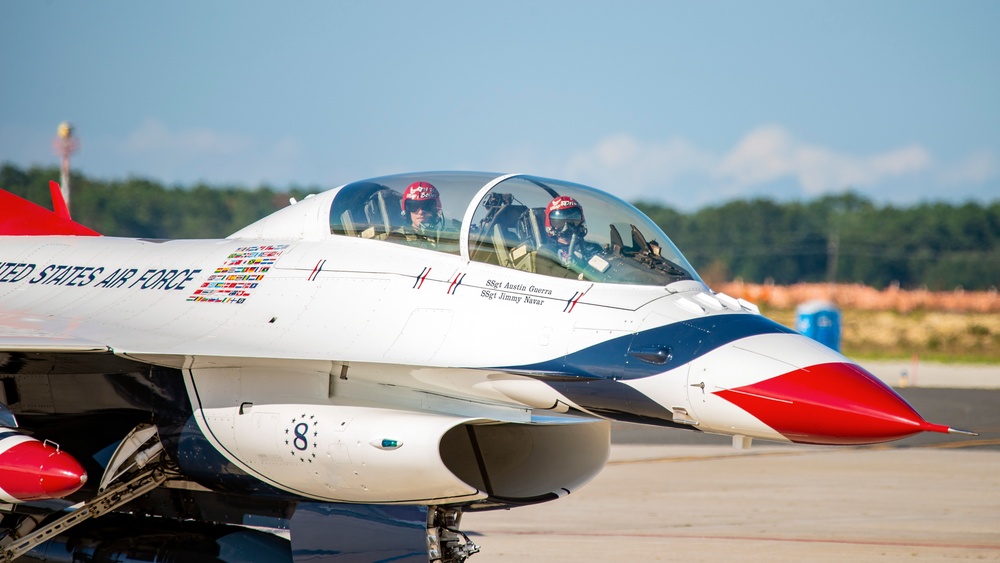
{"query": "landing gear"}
pixel 139 466
pixel 445 542
pixel 135 469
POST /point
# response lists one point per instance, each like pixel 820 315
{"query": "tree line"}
pixel 844 238
pixel 142 208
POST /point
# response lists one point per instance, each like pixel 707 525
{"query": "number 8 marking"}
pixel 301 442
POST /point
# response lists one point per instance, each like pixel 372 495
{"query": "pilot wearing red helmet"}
pixel 423 218
pixel 566 228
pixel 421 205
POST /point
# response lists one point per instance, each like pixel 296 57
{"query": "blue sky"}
pixel 686 103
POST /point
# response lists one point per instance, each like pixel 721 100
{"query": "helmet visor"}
pixel 427 205
pixel 559 218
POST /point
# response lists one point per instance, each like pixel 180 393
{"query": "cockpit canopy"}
pixel 501 220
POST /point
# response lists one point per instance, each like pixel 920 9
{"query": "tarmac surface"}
pixel 669 495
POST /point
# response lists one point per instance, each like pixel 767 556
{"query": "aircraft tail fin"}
pixel 58 203
pixel 20 217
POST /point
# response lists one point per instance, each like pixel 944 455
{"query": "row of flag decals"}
pixel 242 271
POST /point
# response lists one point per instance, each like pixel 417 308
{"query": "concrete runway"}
pixel 663 498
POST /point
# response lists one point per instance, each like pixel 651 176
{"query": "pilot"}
pixel 568 253
pixel 424 220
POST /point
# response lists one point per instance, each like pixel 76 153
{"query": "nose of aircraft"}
pixel 831 403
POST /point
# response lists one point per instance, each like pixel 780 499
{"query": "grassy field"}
pixel 933 335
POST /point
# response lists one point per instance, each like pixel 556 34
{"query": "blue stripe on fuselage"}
pixel 686 340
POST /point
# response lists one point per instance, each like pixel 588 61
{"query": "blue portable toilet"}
pixel 819 320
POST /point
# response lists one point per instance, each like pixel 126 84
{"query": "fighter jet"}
pixel 343 379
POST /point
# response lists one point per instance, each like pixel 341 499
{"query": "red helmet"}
pixel 420 192
pixel 564 212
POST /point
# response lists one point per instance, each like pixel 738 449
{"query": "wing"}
pixel 320 449
pixel 22 217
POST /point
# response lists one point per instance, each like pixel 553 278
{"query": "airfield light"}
pixel 64 145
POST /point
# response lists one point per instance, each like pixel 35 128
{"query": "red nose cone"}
pixel 834 403
pixel 32 470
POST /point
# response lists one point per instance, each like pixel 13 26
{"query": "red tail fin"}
pixel 19 216
pixel 58 203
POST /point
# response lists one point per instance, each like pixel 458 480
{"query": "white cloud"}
pixel 762 156
pixel 765 156
pixel 770 154
pixel 977 168
pixel 637 169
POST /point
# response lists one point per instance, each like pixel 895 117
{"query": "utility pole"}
pixel 832 257
pixel 65 144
